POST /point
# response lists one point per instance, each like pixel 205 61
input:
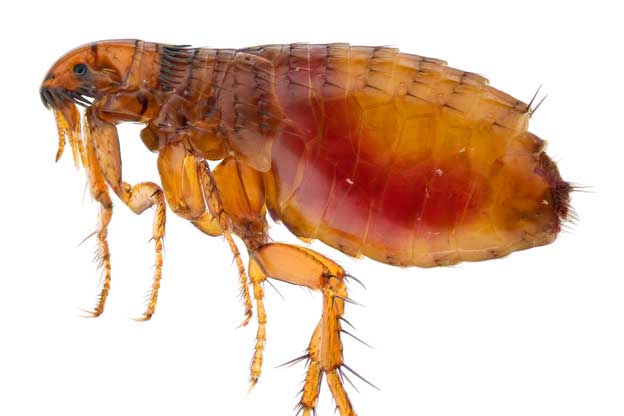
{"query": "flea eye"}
pixel 80 69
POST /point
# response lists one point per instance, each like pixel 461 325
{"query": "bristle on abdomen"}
pixel 559 189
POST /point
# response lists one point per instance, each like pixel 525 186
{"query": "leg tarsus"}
pixel 338 392
pixel 138 198
pixel 326 350
pixel 103 258
pixel 242 276
pixel 257 278
pixel 314 376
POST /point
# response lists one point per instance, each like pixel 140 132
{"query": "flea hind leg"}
pixel 301 266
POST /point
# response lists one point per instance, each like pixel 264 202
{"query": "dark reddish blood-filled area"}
pixel 336 191
pixel 352 184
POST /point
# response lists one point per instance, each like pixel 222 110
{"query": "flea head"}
pixel 87 72
pixel 81 77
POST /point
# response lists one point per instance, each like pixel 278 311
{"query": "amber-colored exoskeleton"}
pixel 378 153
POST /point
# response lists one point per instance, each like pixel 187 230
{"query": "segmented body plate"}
pixel 394 156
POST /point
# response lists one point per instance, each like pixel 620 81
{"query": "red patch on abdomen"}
pixel 353 187
pixel 451 196
pixel 423 200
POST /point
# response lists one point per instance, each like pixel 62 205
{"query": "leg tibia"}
pixel 333 308
pixel 302 266
pixel 325 351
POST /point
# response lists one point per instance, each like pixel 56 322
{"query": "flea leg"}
pixel 99 191
pixel 139 198
pixel 241 275
pixel 301 266
pixel 208 224
pixel 180 179
pixel 105 157
pixel 216 208
pixel 240 193
pixel 257 279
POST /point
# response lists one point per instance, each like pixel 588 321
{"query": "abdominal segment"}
pixel 359 189
pixel 403 160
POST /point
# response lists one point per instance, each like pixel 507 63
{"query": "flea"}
pixel 377 153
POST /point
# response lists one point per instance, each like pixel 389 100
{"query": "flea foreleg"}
pixel 140 197
pixel 104 144
pixel 99 191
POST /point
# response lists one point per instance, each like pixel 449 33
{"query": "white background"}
pixel 537 333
